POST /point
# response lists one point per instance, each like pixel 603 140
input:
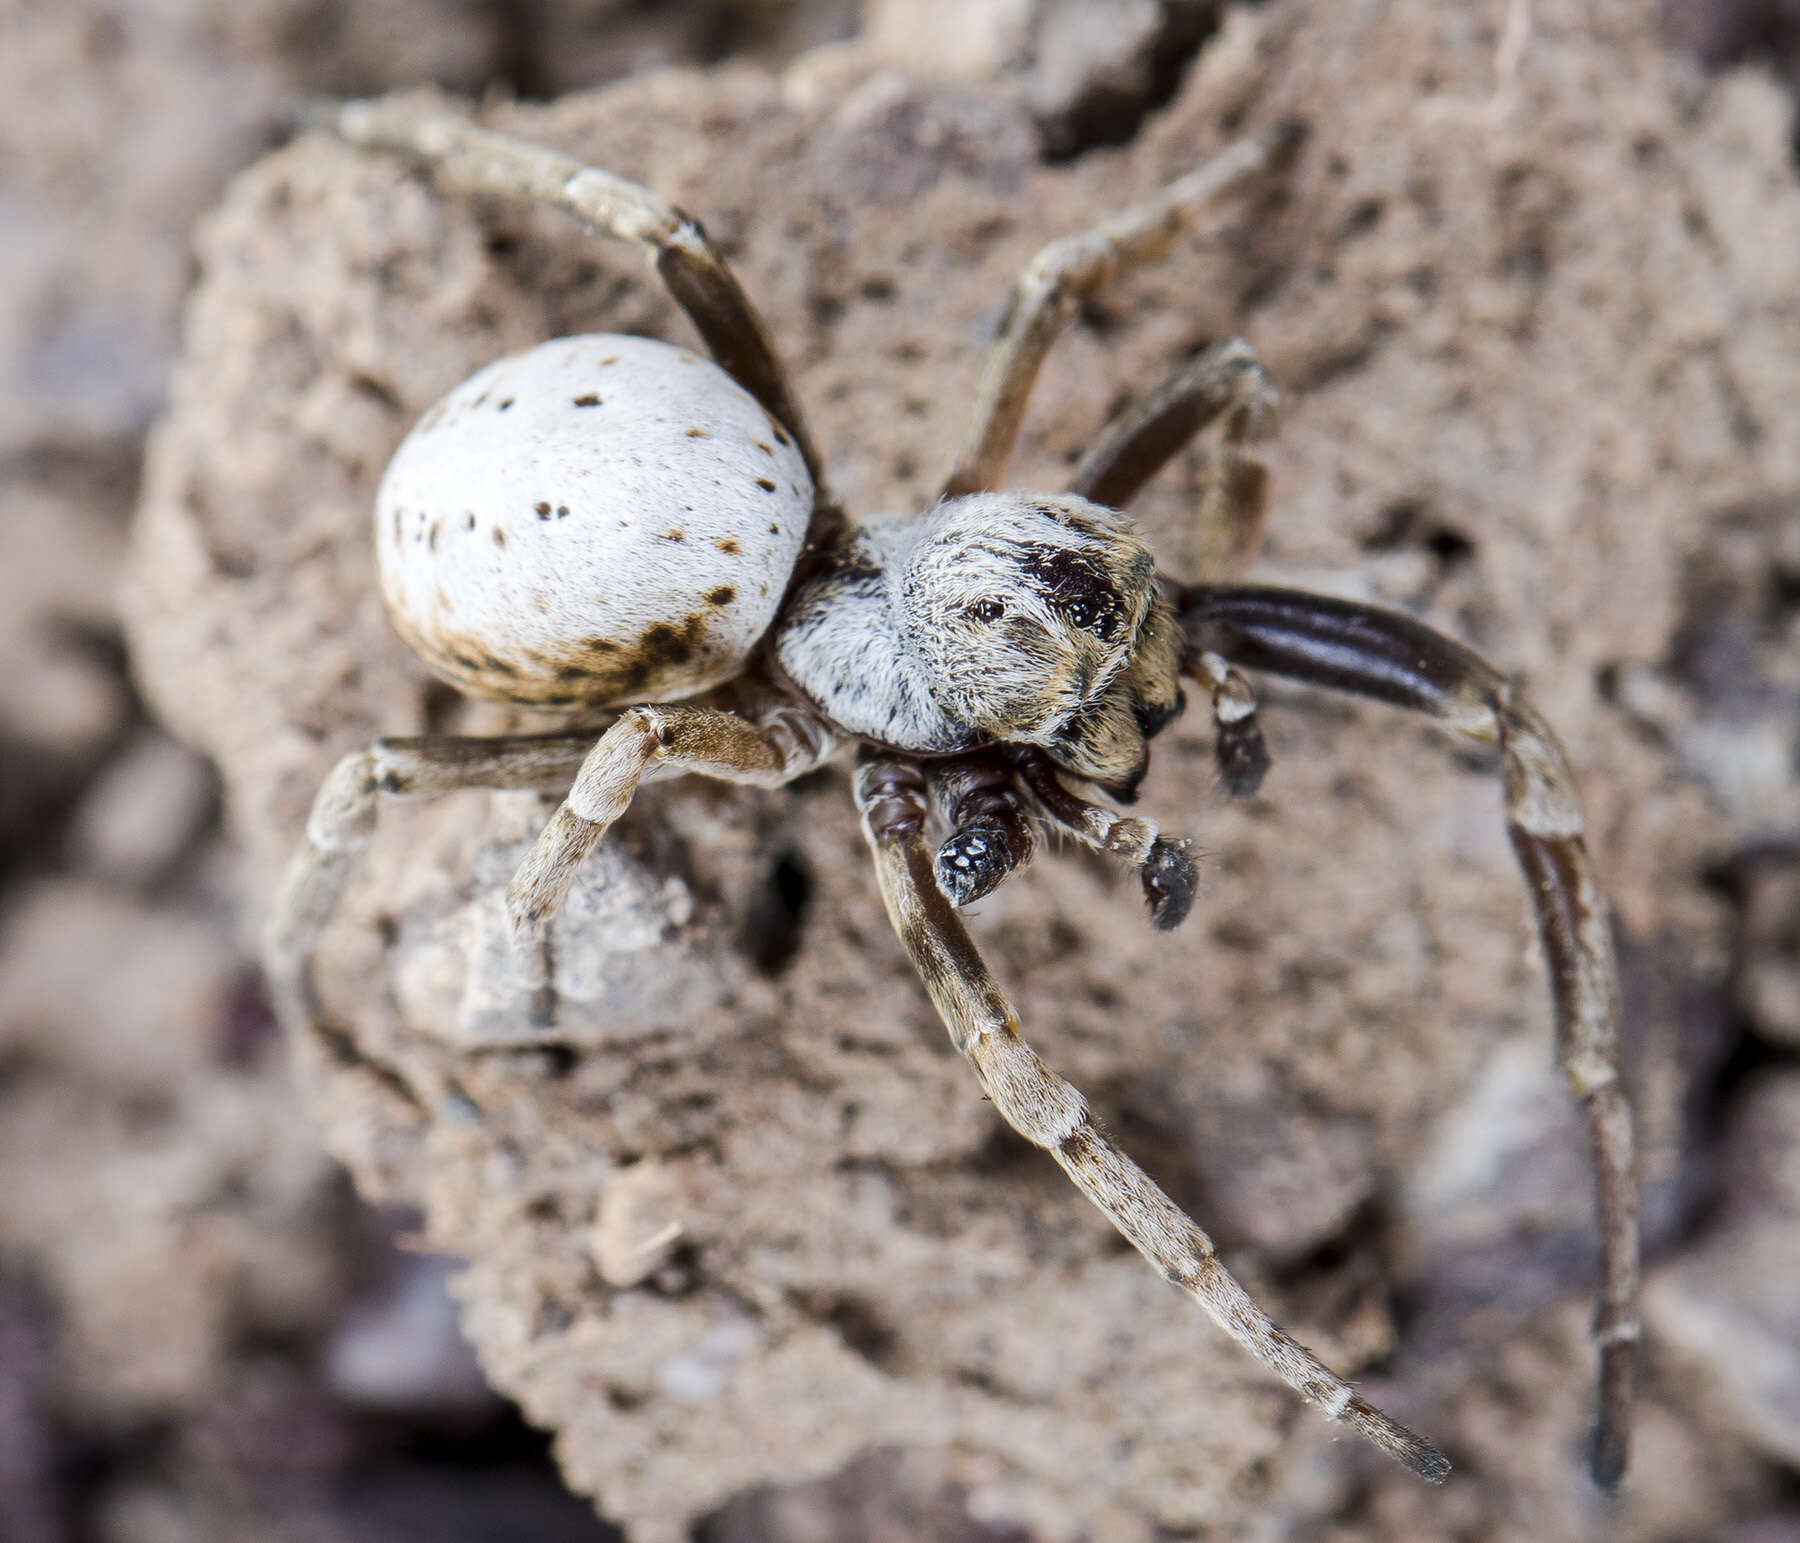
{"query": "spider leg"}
pixel 1051 1114
pixel 1065 272
pixel 990 834
pixel 476 160
pixel 1225 385
pixel 1395 659
pixel 780 744
pixel 1238 745
pixel 342 821
pixel 783 742
pixel 1164 868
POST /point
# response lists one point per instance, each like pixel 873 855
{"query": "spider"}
pixel 615 522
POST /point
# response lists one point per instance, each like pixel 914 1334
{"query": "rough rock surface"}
pixel 1537 339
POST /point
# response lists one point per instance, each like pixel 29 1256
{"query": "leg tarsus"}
pixel 1242 756
pixel 1170 882
pixel 976 860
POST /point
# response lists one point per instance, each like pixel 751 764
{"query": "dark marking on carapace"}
pixel 781 437
pixel 728 545
pixel 468 519
pixel 723 595
pixel 766 485
pixel 672 535
pixel 590 400
pixel 543 510
pixel 1074 582
pixel 506 403
pixel 698 434
pixel 499 536
pixel 764 446
pixel 562 511
pixel 432 538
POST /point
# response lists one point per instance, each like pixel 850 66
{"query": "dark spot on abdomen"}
pixel 663 645
pixel 723 595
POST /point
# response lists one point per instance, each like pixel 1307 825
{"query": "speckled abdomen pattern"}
pixel 600 519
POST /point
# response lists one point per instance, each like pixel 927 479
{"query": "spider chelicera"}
pixel 610 521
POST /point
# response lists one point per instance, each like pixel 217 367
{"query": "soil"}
pixel 1534 328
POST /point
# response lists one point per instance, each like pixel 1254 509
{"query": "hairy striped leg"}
pixel 782 742
pixel 1051 1114
pixel 1065 272
pixel 1395 659
pixel 476 160
pixel 342 821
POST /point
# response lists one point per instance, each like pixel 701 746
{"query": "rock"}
pixel 1727 1307
pixel 1536 329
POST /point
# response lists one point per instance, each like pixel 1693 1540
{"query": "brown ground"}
pixel 1538 343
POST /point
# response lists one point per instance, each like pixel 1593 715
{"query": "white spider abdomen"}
pixel 600 519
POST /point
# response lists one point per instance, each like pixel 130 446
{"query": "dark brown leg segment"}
pixel 1395 659
pixel 1226 386
pixel 991 836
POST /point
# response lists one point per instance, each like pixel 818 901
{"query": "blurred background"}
pixel 203 1333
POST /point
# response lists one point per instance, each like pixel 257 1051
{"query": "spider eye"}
pixel 987 610
pixel 1091 616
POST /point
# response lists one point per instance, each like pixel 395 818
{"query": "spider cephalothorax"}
pixel 994 618
pixel 603 518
